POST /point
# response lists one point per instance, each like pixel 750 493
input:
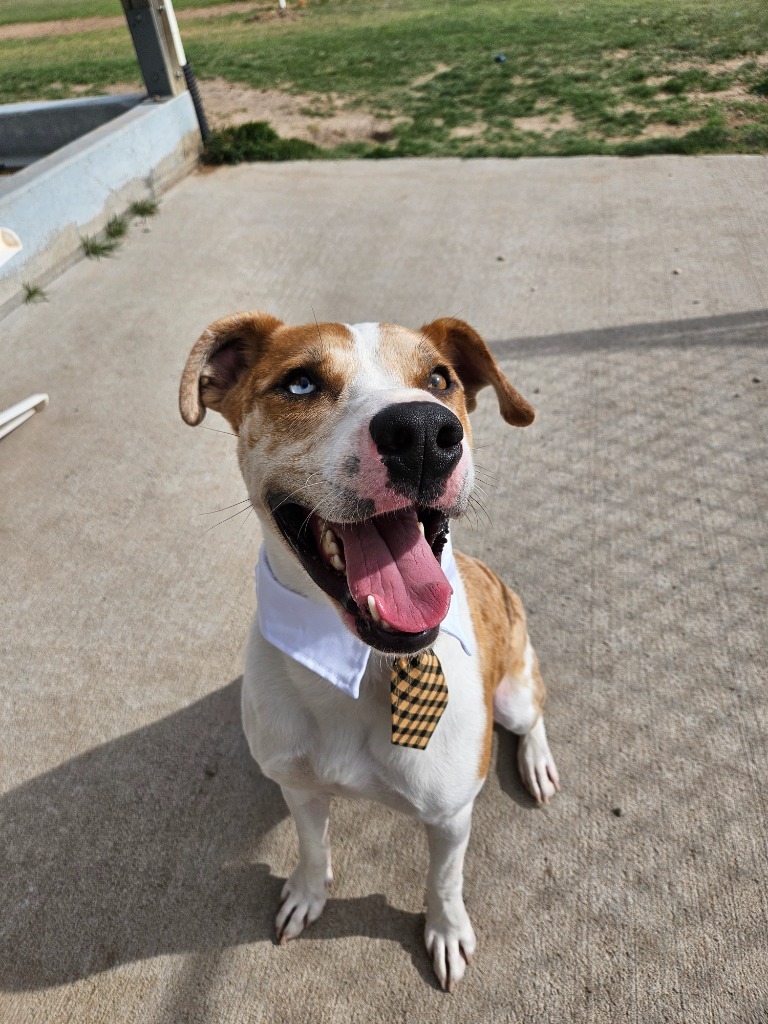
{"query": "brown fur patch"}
pixel 465 351
pixel 498 618
pixel 267 351
pixel 323 351
pixel 412 358
pixel 204 384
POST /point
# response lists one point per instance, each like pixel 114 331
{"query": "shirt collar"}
pixel 314 635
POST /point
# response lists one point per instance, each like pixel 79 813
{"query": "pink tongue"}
pixel 389 558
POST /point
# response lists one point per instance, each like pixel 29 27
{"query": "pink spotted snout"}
pixel 412 453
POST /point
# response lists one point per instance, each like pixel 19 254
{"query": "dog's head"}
pixel 355 446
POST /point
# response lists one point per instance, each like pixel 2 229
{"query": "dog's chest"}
pixel 306 734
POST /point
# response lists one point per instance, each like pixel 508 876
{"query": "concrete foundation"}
pixel 30 131
pixel 74 190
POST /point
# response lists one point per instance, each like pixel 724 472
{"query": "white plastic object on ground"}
pixel 10 244
pixel 19 413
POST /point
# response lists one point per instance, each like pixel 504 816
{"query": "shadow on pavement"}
pixel 714 331
pixel 137 848
pixel 145 846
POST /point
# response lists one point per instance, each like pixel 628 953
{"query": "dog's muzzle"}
pixel 420 445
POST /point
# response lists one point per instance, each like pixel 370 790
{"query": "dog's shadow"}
pixel 507 772
pixel 145 846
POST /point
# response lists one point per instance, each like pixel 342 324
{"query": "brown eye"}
pixel 439 380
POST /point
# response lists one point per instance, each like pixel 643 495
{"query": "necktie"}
pixel 419 697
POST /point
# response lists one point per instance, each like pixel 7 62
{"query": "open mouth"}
pixel 384 572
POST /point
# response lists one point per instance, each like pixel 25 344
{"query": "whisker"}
pixel 478 505
pixel 215 510
pixel 224 521
pixel 217 431
pixel 311 513
pixel 246 519
pixel 289 496
pixel 449 318
pixel 474 521
pixel 317 325
pixel 488 478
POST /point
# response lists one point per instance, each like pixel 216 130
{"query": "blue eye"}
pixel 300 384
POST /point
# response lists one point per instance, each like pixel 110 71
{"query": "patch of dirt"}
pixel 619 55
pixel 666 131
pixel 324 120
pixel 439 69
pixel 542 124
pixel 717 68
pixel 273 13
pixel 733 92
pixel 735 63
pixel 74 26
pixel 468 131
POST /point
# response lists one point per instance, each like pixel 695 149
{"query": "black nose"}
pixel 419 443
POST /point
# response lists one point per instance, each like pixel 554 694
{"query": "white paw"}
pixel 536 764
pixel 450 942
pixel 302 904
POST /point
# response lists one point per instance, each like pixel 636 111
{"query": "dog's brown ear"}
pixel 469 355
pixel 219 358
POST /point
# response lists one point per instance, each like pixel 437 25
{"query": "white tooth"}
pixel 329 543
pixel 373 609
pixel 337 563
pixel 421 527
pixel 386 625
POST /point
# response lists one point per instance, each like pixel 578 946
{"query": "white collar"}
pixel 314 635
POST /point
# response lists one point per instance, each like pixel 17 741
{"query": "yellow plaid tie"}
pixel 419 697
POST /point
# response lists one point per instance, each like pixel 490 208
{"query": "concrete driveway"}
pixel 142 853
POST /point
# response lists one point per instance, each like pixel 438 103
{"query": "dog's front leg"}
pixel 449 935
pixel 305 892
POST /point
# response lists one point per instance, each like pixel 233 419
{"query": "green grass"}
pixel 94 248
pixel 144 208
pixel 597 76
pixel 12 11
pixel 256 141
pixel 34 293
pixel 117 228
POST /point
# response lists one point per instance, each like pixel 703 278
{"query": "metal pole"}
pixel 169 16
pixel 160 51
pixel 160 68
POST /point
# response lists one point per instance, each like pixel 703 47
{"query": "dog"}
pixel 355 445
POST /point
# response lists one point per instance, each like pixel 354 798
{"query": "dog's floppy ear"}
pixel 219 358
pixel 469 355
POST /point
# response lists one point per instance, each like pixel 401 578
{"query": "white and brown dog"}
pixel 355 446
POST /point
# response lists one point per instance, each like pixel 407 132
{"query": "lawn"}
pixel 600 76
pixel 12 11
